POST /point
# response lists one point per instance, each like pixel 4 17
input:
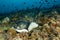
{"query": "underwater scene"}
pixel 29 19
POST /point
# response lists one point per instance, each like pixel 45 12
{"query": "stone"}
pixel 32 26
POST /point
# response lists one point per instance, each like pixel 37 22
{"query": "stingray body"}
pixel 7 6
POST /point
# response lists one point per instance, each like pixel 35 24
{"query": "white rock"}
pixel 23 30
pixel 32 26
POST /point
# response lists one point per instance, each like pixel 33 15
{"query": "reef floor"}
pixel 48 26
